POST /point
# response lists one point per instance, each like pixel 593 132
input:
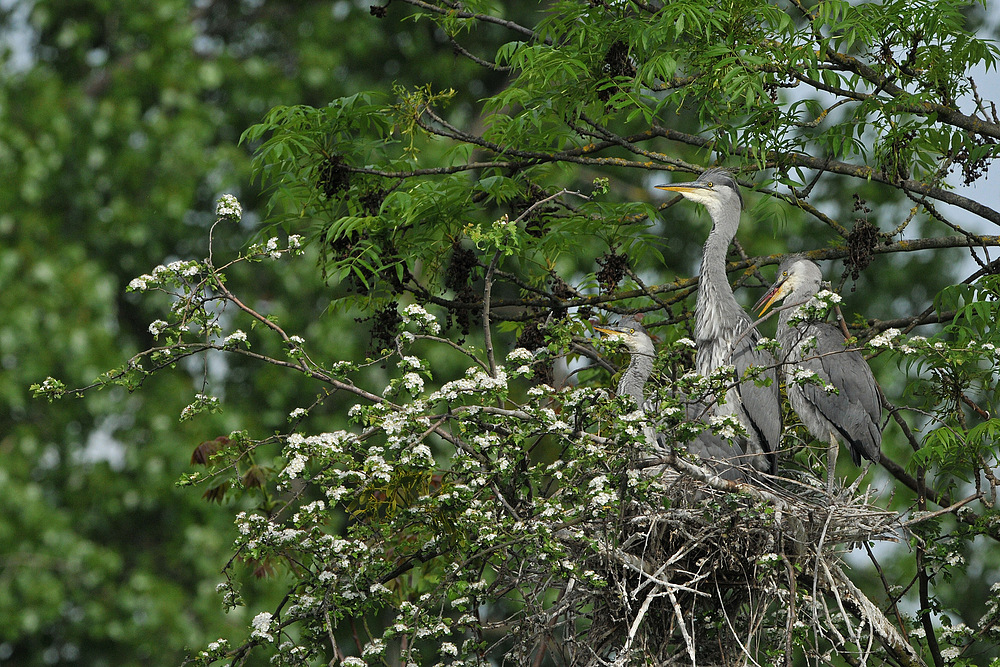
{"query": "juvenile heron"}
pixel 721 325
pixel 851 411
pixel 721 455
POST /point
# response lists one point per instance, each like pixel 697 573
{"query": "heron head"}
pixel 714 188
pixel 631 333
pixel 794 273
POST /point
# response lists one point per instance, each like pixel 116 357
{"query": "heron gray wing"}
pixel 761 403
pixel 854 411
pixel 723 456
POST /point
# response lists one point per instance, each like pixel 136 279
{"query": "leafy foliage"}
pixel 419 500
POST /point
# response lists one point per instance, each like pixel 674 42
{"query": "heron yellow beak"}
pixel 775 293
pixel 686 187
pixel 610 332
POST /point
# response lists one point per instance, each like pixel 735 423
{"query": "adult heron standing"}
pixel 722 329
pixel 850 410
pixel 720 454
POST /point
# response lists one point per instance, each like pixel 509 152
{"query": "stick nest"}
pixel 715 572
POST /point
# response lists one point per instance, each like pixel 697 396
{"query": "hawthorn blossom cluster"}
pixel 174 273
pixel 885 339
pixel 991 619
pixel 215 650
pixel 261 625
pixel 156 328
pixel 425 322
pixel 727 426
pixel 347 572
pixel 816 308
pixel 520 355
pixel 413 377
pixel 227 207
pixel 201 403
pixel 322 447
pixel 238 336
pixel 802 376
pixel 824 298
pixel 476 380
pixel 262 537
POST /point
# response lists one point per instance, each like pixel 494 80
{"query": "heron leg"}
pixel 831 463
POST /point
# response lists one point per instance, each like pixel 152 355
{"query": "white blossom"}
pixel 801 374
pixel 885 339
pixel 335 494
pixel 424 452
pixel 297 413
pixel 141 283
pixel 961 630
pixel 413 383
pixel 228 207
pixel 179 268
pixel 238 336
pixel 602 499
pixel 686 342
pixel 261 626
pixel 200 401
pixel 294 241
pixel 721 425
pixel 410 363
pixel 272 248
pixel 824 297
pixel 520 355
pixel 156 328
pixel 448 648
pixel 598 482
pixel 295 466
pixel 416 313
pixel 373 648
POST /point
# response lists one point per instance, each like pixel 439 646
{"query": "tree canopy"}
pixel 382 362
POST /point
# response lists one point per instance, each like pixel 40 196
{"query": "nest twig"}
pixel 713 572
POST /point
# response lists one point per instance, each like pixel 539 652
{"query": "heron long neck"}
pixel 718 314
pixel 640 366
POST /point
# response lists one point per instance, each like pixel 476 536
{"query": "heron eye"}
pixel 631 331
pixel 711 184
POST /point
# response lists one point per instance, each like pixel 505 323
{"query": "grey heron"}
pixel 722 329
pixel 721 455
pixel 850 410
